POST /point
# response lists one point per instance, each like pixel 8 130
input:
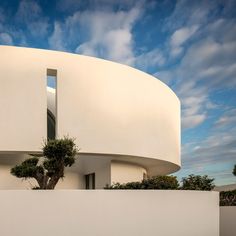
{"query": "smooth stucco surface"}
pixel 111 109
pixel 122 172
pixel 109 213
pixel 227 221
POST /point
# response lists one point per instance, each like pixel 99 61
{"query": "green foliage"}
pixel 27 169
pixel 57 154
pixel 130 185
pixel 161 182
pixel 157 182
pixel 197 182
pixel 234 170
pixel 59 149
pixel 192 182
pixel 228 198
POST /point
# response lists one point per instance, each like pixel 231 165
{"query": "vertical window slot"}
pixel 51 103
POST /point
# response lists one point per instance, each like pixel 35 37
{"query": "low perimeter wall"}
pixel 108 213
pixel 228 221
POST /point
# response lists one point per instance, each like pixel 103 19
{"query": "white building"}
pixel 125 122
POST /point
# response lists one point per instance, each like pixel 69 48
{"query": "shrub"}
pixel 157 182
pixel 228 198
pixel 197 182
pixel 161 182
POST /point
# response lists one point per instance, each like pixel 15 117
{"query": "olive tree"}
pixel 47 170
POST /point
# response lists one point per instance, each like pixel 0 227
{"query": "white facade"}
pixel 126 122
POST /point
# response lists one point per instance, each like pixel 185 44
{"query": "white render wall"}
pixel 122 172
pixel 227 220
pixel 23 101
pixel 111 109
pixel 109 213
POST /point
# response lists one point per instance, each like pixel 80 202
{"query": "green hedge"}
pixel 157 182
pixel 192 182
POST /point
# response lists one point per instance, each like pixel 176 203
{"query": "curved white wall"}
pixel 111 109
pixel 122 172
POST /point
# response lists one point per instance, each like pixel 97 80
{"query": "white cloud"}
pixel 6 39
pixel 28 10
pixel 227 119
pixel 208 65
pixel 75 5
pixel 29 13
pixel 68 5
pixel 110 34
pixel 182 34
pixel 212 62
pixel 119 46
pixel 194 100
pixel 86 49
pixel 153 58
pixel 216 154
pixel 106 33
pixel 56 40
pixel 192 121
pixel 179 37
pixel 188 13
pixel 39 28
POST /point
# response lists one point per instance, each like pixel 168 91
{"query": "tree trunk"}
pixel 40 179
pixel 53 181
pixel 55 178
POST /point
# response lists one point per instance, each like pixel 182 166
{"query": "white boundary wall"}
pixel 108 213
pixel 227 221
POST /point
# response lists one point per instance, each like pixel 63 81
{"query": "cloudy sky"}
pixel 189 45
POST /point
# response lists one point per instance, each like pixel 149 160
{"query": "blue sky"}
pixel 189 45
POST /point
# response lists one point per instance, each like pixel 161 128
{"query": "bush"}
pixel 228 198
pixel 161 182
pixel 197 182
pixel 157 182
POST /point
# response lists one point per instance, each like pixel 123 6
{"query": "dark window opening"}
pixel 51 125
pixel 90 181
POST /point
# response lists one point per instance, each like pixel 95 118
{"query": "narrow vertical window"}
pixel 90 181
pixel 51 103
